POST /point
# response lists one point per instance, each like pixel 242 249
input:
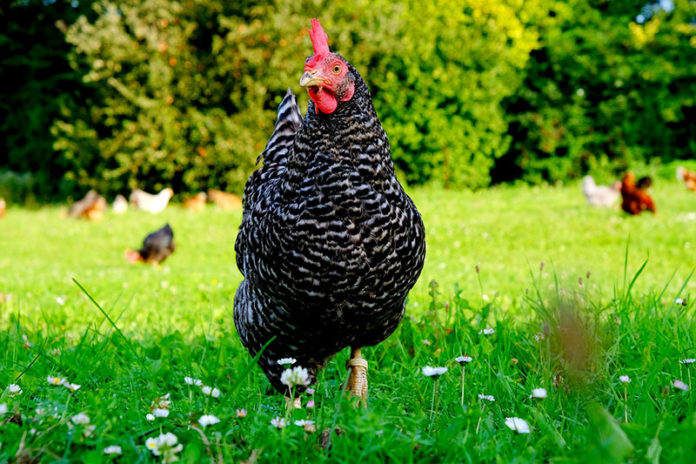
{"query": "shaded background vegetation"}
pixel 161 93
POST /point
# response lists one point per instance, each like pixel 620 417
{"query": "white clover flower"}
pixel 490 398
pixel 687 361
pixel 80 418
pixel 680 385
pixel 286 361
pixel 625 379
pixel 192 381
pixel 161 402
pixel 160 412
pixel 210 391
pixel 208 419
pixel 55 380
pixel 487 331
pixel 538 393
pixel 297 375
pixel 278 422
pixel 517 424
pixel 166 446
pixel 72 386
pixel 241 412
pixel 14 389
pixel 150 417
pixel 463 359
pixel 3 409
pixel 434 371
pixel 113 449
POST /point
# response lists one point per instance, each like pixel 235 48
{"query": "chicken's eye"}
pixel 336 69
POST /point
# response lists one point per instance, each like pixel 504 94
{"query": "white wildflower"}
pixel 463 359
pixel 487 331
pixel 160 412
pixel 60 300
pixel 208 419
pixel 80 418
pixel 490 398
pixel 3 409
pixel 210 391
pixel 72 386
pixel 241 412
pixel 625 379
pixel 56 380
pixel 150 417
pixel 302 423
pixel 166 446
pixel 434 371
pixel 286 361
pixel 278 422
pixel 680 385
pixel 298 375
pixel 113 449
pixel 14 389
pixel 517 424
pixel 538 393
pixel 687 361
pixel 679 301
pixel 192 381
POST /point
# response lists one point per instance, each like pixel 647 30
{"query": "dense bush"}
pixel 183 93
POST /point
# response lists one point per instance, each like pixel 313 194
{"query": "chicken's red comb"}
pixel 320 41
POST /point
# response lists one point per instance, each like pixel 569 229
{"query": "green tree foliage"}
pixel 183 93
pixel 603 91
pixel 36 81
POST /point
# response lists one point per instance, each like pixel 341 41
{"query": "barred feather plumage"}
pixel 330 244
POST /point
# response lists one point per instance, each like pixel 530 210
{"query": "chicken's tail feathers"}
pixel 288 123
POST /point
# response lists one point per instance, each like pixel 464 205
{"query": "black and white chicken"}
pixel 330 244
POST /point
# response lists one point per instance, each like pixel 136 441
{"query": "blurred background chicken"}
pixel 90 207
pixel 157 246
pixel 634 199
pixel 120 205
pixel 600 195
pixel 196 202
pixel 330 244
pixel 688 177
pixel 3 207
pixel 149 202
pixel 224 200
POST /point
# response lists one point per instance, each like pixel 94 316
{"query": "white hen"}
pixel 600 195
pixel 149 202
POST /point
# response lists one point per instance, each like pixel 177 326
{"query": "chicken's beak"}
pixel 311 78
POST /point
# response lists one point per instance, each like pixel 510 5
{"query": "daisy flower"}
pixel 278 422
pixel 208 419
pixel 687 361
pixel 166 446
pixel 113 449
pixel 434 371
pixel 302 423
pixel 55 380
pixel 680 385
pixel 80 418
pixel 490 398
pixel 210 391
pixel 241 412
pixel 517 424
pixel 286 361
pixel 72 386
pixel 538 393
pixel 298 375
pixel 463 359
pixel 192 381
pixel 14 389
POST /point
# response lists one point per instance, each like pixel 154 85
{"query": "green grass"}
pixel 176 320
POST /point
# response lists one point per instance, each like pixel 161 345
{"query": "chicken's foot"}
pixel 357 380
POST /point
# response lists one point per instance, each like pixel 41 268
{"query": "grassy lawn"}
pixel 573 337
